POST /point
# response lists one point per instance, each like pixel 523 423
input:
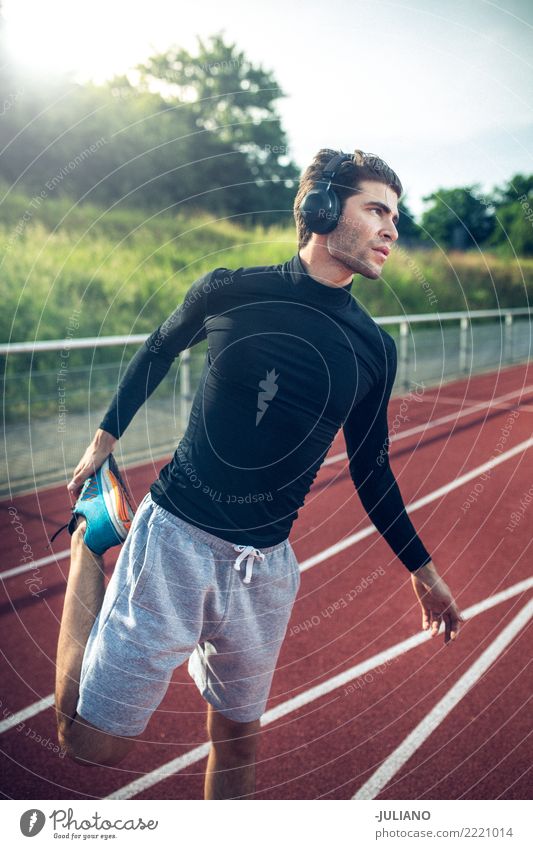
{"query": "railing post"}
pixel 185 388
pixel 463 345
pixel 508 338
pixel 404 354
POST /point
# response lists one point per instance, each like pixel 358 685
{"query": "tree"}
pixel 193 132
pixel 513 202
pixel 458 218
pixel 408 230
pixel 240 143
pixel 517 186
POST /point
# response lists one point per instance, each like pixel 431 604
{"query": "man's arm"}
pixel 367 443
pixel 366 433
pixel 147 368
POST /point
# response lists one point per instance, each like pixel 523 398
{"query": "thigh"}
pixel 146 628
pixel 234 667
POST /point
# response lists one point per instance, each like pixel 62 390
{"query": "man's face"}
pixel 366 231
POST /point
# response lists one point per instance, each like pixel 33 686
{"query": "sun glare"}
pixel 90 40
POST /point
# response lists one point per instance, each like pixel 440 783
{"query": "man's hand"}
pixel 436 602
pixel 100 448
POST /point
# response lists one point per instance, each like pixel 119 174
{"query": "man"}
pixel 207 571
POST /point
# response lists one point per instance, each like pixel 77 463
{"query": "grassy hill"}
pixel 125 270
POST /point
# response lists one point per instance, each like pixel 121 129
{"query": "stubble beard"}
pixel 345 248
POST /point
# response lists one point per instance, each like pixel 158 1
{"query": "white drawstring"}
pixel 250 552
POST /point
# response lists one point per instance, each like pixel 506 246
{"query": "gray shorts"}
pixel 178 593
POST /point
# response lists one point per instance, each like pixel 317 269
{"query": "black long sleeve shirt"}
pixel 290 361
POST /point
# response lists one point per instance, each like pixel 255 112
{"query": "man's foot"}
pixel 105 505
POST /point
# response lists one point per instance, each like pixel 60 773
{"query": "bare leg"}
pixel 230 772
pixel 83 600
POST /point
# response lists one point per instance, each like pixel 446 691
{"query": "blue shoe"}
pixel 105 505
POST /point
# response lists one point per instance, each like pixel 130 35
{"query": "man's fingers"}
pixel 455 617
pixel 435 623
pixel 84 470
pixel 452 619
pixel 75 485
pixel 438 606
pixel 455 625
pixel 447 628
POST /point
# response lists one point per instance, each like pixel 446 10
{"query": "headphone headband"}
pixel 332 166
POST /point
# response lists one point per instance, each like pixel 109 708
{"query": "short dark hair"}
pixel 362 166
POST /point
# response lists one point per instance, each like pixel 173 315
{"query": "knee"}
pixel 78 533
pixel 89 746
pixel 235 740
pixel 78 546
pixel 81 525
pixel 75 747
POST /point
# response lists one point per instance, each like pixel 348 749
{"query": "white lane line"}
pixel 428 399
pixel 432 399
pixel 298 701
pixel 52 558
pixel 35 564
pixel 359 535
pixel 483 405
pixel 416 505
pixel 291 705
pixel 25 714
pixel 438 714
pixel 284 708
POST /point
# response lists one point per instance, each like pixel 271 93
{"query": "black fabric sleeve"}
pixel 149 365
pixel 367 441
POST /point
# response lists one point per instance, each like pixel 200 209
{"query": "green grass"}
pixel 123 271
pixel 126 269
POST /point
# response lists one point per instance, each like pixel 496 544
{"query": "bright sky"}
pixel 441 90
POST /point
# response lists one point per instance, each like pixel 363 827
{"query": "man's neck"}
pixel 320 265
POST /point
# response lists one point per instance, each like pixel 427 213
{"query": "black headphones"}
pixel 321 206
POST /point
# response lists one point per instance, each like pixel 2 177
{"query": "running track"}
pixel 364 704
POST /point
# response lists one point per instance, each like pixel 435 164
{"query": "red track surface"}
pixel 482 749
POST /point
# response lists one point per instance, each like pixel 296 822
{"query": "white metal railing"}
pixel 137 338
pixel 404 322
pixel 430 347
pixel 465 318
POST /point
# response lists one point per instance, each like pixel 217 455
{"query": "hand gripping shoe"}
pixel 105 505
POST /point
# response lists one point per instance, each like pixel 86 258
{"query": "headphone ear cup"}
pixel 321 208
